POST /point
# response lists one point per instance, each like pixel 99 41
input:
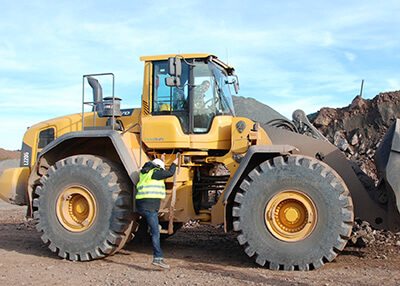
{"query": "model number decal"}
pixel 126 112
pixel 26 158
pixel 154 139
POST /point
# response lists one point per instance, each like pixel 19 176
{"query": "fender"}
pixel 115 138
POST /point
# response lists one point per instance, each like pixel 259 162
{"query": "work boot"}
pixel 159 262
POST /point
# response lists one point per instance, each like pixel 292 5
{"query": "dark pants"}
pixel 152 220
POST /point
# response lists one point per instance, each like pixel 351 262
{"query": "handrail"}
pixel 140 139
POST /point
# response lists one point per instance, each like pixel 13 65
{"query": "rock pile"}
pixel 363 235
pixel 358 130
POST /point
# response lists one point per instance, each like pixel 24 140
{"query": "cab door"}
pixel 210 128
pixel 167 125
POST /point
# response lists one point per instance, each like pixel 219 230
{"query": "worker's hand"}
pixel 163 157
pixel 176 161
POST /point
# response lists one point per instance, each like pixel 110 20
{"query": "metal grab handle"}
pixel 173 198
pixel 179 155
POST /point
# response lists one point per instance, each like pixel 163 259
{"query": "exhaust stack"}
pixel 97 93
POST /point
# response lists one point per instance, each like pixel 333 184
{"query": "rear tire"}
pixel 293 213
pixel 84 208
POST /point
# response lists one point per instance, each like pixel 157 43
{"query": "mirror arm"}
pixel 186 62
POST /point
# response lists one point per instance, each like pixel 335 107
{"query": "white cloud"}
pixel 327 39
pixel 8 58
pixel 350 56
pixel 393 84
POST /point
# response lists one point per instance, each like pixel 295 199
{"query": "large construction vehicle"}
pixel 290 197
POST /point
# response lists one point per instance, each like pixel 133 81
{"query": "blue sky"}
pixel 287 54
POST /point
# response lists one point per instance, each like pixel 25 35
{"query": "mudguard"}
pixel 122 150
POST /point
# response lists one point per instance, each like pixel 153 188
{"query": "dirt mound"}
pixel 6 154
pixel 253 109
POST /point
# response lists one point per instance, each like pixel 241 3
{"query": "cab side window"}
pixel 170 101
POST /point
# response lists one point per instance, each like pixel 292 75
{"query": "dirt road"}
pixel 197 255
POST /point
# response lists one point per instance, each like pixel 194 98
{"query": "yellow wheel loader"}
pixel 290 197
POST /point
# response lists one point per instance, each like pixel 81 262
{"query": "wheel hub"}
pixel 291 216
pixel 76 209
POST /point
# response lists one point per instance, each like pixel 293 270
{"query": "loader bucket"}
pixel 387 161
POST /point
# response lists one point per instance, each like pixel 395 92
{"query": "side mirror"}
pixel 174 70
pixel 174 67
pixel 236 86
pixel 173 81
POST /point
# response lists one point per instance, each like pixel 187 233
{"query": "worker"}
pixel 179 100
pixel 200 93
pixel 202 114
pixel 151 190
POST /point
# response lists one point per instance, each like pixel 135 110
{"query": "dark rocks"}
pixel 358 129
pixel 364 235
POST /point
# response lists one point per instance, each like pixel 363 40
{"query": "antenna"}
pixel 362 86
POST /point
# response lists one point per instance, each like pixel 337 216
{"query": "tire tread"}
pixel 319 169
pixel 117 183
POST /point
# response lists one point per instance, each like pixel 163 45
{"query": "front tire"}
pixel 84 208
pixel 293 213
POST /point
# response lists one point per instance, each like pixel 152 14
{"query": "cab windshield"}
pixel 211 95
pixel 222 90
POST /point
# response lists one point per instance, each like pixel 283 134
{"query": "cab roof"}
pixel 188 56
pixel 165 57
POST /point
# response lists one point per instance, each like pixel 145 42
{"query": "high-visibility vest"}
pixel 149 188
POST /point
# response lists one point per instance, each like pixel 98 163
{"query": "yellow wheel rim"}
pixel 76 209
pixel 291 216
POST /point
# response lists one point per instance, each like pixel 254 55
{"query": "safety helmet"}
pixel 159 163
pixel 165 107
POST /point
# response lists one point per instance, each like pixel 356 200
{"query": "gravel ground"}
pixel 198 255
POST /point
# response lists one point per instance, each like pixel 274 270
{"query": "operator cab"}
pixel 187 102
pixel 199 87
pixel 195 91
